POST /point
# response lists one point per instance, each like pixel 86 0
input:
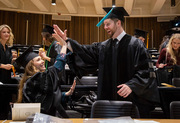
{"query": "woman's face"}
pixel 39 63
pixel 5 34
pixel 175 44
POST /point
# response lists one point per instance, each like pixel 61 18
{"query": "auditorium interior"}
pixel 26 18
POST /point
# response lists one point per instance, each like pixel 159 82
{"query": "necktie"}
pixel 114 42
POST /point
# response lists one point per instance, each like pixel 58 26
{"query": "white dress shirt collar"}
pixel 121 36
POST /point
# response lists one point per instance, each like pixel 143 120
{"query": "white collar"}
pixel 121 35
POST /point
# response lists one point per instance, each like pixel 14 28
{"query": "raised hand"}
pixel 42 54
pixel 70 92
pixel 58 31
pixel 59 39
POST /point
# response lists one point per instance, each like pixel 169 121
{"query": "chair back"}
pixel 87 80
pixel 176 82
pixel 175 110
pixel 111 109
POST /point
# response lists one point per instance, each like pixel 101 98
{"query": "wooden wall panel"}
pixel 35 28
pixel 17 21
pixel 150 24
pixel 82 29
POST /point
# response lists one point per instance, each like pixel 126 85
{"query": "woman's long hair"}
pixel 170 49
pixel 48 36
pixel 30 70
pixel 11 38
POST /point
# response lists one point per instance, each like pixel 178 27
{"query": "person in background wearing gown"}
pixel 52 51
pixel 39 85
pixel 14 52
pixel 6 38
pixel 122 60
pixel 171 54
pixel 141 34
pixel 164 43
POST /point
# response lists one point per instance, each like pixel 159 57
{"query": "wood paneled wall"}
pixel 155 29
pixel 18 23
pixel 82 29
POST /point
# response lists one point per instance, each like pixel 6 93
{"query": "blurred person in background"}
pixel 6 38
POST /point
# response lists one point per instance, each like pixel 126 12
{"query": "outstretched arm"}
pixel 64 49
pixel 71 90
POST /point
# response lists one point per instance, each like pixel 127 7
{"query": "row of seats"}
pixel 22 48
pixel 112 109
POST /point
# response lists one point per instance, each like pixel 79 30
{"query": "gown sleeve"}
pixel 143 83
pixel 84 58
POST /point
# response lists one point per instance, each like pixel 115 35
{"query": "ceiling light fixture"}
pixel 113 3
pixel 53 2
pixel 173 3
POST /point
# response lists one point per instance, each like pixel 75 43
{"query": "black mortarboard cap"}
pixel 48 28
pixel 140 33
pixel 114 12
pixel 14 48
pixel 27 56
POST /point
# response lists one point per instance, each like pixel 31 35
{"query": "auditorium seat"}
pixel 175 110
pixel 112 109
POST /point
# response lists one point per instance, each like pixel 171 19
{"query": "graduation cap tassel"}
pixel 18 53
pixel 102 20
pixel 147 44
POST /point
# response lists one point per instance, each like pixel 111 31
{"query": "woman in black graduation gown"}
pixel 6 37
pixel 52 51
pixel 40 86
pixel 123 63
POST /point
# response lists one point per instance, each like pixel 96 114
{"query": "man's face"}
pixel 110 27
pixel 142 39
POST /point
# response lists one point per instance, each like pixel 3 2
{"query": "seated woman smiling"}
pixel 41 86
pixel 171 54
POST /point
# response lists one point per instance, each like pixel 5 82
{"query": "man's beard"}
pixel 111 35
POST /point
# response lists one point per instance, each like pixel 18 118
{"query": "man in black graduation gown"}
pixel 123 63
pixel 141 34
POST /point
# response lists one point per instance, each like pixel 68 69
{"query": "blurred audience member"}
pixel 6 38
pixel 171 54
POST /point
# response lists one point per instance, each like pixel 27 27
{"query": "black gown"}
pixel 5 58
pixel 44 88
pixel 125 63
pixel 5 78
pixel 52 52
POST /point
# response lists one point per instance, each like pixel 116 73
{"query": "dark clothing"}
pixel 162 59
pixel 125 63
pixel 5 78
pixel 163 45
pixel 52 52
pixel 44 88
pixel 5 58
